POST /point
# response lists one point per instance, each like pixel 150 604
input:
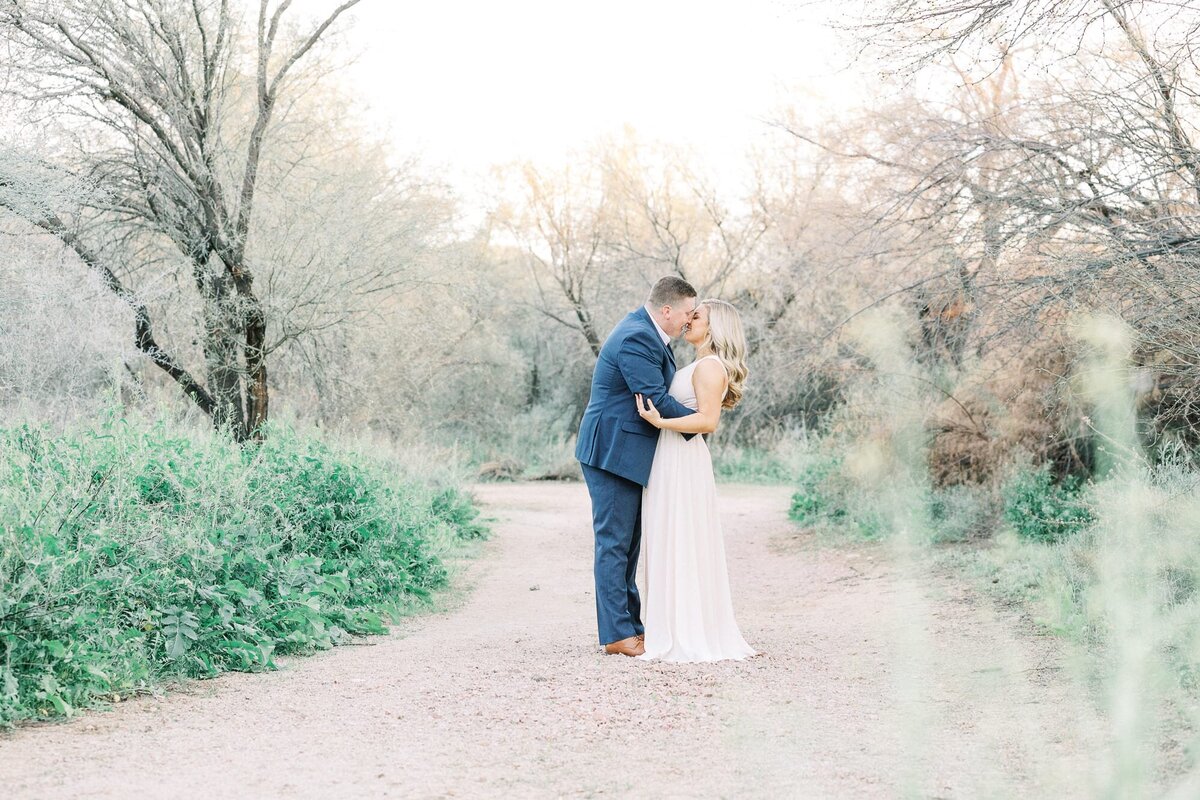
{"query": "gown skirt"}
pixel 688 609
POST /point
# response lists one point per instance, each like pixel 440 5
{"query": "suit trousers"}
pixel 617 522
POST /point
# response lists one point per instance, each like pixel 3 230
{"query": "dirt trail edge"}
pixel 872 684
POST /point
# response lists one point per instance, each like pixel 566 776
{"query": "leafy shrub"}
pixel 129 555
pixel 816 498
pixel 456 508
pixel 868 521
pixel 825 495
pixel 1041 510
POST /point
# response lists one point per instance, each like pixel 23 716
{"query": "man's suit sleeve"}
pixel 641 366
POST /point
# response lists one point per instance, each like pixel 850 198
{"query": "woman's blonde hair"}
pixel 728 342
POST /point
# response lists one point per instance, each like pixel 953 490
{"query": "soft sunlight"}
pixel 471 84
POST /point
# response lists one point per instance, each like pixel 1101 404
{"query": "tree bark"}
pixel 221 344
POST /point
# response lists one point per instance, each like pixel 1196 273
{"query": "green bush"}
pixel 1042 510
pixel 133 554
pixel 826 496
pixel 456 508
pixel 816 498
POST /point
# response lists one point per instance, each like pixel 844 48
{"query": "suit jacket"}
pixel 612 436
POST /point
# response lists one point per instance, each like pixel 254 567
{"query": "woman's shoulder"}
pixel 709 365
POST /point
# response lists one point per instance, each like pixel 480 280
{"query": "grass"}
pixel 774 466
pixel 135 553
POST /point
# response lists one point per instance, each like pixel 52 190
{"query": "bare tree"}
pixel 1059 173
pixel 152 94
pixel 673 219
pixel 562 224
pixel 920 32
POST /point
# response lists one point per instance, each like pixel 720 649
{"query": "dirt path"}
pixel 869 687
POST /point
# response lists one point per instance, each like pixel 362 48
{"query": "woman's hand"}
pixel 649 412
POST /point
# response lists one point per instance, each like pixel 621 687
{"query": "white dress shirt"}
pixel 666 339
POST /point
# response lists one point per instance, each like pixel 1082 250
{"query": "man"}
pixel 616 450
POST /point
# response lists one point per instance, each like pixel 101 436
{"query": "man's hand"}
pixel 648 412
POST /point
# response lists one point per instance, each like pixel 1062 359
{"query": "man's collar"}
pixel 666 339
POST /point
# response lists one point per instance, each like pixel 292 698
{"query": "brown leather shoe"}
pixel 627 647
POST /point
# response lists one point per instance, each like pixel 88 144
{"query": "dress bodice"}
pixel 682 388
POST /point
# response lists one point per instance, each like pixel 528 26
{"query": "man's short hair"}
pixel 670 291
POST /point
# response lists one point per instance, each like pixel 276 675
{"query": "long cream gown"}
pixel 688 610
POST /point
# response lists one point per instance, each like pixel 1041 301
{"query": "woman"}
pixel 689 611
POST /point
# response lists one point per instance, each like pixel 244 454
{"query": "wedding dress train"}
pixel 688 609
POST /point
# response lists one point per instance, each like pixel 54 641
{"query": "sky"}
pixel 468 83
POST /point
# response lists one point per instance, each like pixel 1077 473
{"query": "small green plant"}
pixel 816 498
pixel 1040 509
pixel 826 496
pixel 456 508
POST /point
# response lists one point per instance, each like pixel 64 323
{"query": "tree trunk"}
pixel 257 398
pixel 221 345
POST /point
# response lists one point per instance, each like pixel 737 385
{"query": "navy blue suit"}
pixel 616 449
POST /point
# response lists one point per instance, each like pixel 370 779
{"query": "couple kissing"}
pixel 651 482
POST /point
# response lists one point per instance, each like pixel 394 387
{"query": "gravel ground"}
pixel 874 683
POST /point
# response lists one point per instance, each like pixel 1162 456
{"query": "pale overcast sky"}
pixel 470 83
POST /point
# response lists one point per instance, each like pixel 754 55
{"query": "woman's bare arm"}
pixel 709 381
